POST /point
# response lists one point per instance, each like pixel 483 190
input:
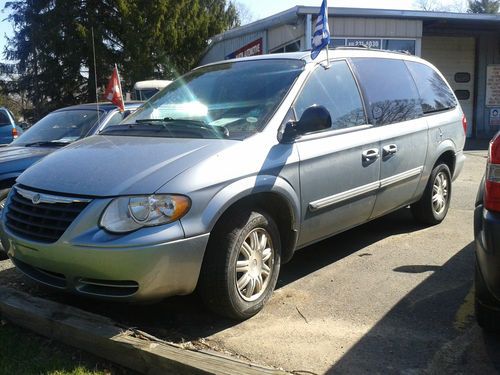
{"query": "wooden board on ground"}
pixel 103 337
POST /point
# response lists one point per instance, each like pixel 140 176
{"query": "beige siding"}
pixel 452 55
pixel 223 48
pixel 375 27
pixel 285 34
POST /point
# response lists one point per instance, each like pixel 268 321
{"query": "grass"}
pixel 23 352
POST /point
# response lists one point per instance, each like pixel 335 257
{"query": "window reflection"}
pixel 435 93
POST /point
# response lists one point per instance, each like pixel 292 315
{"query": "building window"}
pixel 334 43
pixel 401 45
pixel 291 47
pixel 462 77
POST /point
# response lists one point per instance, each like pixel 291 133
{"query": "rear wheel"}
pixel 487 307
pixel 241 265
pixel 433 206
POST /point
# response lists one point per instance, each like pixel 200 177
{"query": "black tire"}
pixel 486 305
pixel 218 278
pixel 424 210
pixel 3 197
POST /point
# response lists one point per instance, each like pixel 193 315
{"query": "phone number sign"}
pixel 370 43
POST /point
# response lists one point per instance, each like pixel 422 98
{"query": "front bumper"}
pixel 149 264
pixel 487 240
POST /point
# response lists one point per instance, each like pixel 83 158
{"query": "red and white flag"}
pixel 113 91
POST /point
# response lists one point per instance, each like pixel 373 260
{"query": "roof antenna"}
pixel 95 78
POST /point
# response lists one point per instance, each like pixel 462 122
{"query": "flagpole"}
pixel 327 57
pixel 95 78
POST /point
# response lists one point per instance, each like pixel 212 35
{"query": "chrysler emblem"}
pixel 36 198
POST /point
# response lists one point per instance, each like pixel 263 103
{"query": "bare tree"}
pixel 244 13
pixel 438 6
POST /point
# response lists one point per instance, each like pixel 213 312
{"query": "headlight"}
pixel 127 214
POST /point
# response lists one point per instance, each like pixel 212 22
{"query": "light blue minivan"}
pixel 220 177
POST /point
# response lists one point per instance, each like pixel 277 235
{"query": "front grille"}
pixel 42 222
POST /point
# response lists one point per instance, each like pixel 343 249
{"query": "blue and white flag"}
pixel 321 36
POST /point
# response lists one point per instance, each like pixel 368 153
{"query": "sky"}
pixel 262 8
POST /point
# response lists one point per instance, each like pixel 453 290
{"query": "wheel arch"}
pixel 271 194
pixel 446 154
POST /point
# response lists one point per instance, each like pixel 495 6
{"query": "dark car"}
pixel 57 129
pixel 487 238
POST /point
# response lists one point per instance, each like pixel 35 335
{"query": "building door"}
pixel 455 58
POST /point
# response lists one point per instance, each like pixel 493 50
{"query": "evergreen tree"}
pixel 51 60
pixel 484 6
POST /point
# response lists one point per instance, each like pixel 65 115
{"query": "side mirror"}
pixel 315 118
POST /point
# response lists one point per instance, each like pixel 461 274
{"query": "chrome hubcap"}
pixel 440 193
pixel 2 203
pixel 254 265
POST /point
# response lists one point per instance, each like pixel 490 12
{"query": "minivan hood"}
pixel 106 166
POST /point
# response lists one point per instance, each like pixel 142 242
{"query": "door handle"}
pixel 371 154
pixel 390 149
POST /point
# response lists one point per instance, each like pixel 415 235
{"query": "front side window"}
pixel 390 90
pixel 335 89
pixel 230 100
pixel 435 93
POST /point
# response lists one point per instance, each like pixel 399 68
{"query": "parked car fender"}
pixel 239 191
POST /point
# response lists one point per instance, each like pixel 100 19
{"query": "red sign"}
pixel 251 49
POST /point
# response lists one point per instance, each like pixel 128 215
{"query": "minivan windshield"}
pixel 59 128
pixel 230 100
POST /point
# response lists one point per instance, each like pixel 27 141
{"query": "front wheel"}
pixel 241 265
pixel 432 208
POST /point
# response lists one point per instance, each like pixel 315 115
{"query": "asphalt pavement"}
pixel 390 296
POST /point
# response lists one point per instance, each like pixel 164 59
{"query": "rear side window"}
pixel 435 93
pixel 336 90
pixel 390 90
pixel 4 118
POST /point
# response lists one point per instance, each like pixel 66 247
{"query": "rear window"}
pixel 435 93
pixel 390 90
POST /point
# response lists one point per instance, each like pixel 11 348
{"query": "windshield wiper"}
pixel 188 123
pixel 48 143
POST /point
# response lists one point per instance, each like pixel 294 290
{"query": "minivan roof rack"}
pixel 371 49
